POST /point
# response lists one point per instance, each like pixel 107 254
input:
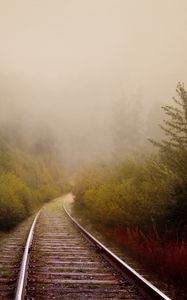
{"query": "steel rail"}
pixel 24 264
pixel 145 287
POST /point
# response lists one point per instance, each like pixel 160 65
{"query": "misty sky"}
pixel 69 60
pixel 95 43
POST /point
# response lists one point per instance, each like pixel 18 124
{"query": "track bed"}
pixel 63 265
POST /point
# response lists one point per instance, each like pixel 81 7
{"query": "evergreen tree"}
pixel 173 153
pixel 154 118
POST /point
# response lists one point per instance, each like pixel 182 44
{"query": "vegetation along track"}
pixel 63 264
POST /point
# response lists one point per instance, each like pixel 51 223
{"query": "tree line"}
pixel 144 192
pixel 29 176
pixel 142 202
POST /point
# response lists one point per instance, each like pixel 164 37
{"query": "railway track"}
pixel 63 261
pixel 11 251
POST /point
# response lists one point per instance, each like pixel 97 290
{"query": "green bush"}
pixel 15 199
pixel 27 181
pixel 133 194
pixel 48 192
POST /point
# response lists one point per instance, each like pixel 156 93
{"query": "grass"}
pixel 164 256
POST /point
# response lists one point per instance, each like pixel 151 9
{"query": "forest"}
pixel 140 202
pixel 29 175
pixel 136 197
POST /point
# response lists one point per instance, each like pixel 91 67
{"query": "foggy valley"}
pixel 93 126
pixel 65 67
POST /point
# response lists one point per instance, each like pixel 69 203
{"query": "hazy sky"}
pixel 76 57
pixel 83 43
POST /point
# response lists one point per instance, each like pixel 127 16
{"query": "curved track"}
pixel 64 262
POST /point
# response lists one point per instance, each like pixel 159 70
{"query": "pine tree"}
pixel 173 148
pixel 173 153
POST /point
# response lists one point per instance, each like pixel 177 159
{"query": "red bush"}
pixel 166 257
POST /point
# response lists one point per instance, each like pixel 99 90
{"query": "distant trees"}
pixel 153 119
pixel 128 125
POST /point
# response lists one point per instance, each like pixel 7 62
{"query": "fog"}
pixel 66 65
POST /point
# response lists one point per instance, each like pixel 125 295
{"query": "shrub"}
pixel 48 192
pixel 15 199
